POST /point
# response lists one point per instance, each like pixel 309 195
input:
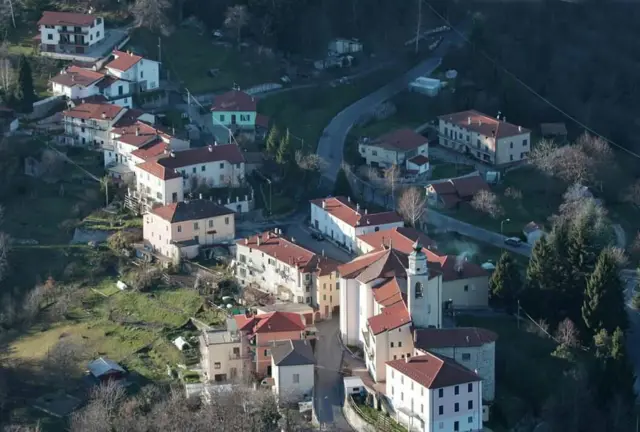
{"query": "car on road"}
pixel 513 241
pixel 317 236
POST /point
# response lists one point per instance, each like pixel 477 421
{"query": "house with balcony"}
pixel 342 220
pixel 235 112
pixel 69 32
pixel 77 83
pixel 170 177
pixel 465 284
pixel 453 192
pixel 431 393
pixel 490 140
pixel 142 72
pixel 262 332
pixel 180 230
pixel 89 124
pixel 403 148
pixel 224 354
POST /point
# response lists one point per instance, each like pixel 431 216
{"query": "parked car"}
pixel 513 241
pixel 317 236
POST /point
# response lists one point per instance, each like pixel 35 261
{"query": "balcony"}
pixel 240 356
pixel 74 31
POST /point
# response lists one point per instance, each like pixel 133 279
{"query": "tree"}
pixel 63 360
pixel 542 283
pixel 391 176
pixel 273 140
pixel 284 149
pixel 612 370
pixel 24 94
pixel 505 284
pixel 342 186
pixel 603 306
pixel 567 334
pixel 152 14
pixel 632 194
pixel 412 205
pixel 487 202
pixel 236 18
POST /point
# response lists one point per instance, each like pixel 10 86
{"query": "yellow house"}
pixel 488 139
pixel 327 287
pixel 178 230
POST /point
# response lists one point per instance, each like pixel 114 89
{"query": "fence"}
pixel 369 421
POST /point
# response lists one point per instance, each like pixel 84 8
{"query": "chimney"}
pixel 357 208
pixel 468 120
pixel 165 151
pixel 137 131
pixel 103 115
pixel 215 143
pixel 406 359
pixel 366 211
pixel 246 241
pixel 479 122
pixel 210 148
pixel 293 240
pixel 258 239
pixel 323 253
pixel 349 199
pixel 324 204
pixel 173 154
pixel 73 78
pixel 467 339
pixel 519 128
pixel 504 119
pixel 200 196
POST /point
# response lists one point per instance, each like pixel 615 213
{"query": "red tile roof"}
pixel 272 322
pixel 77 76
pixel 91 99
pixel 454 191
pixel 343 209
pixel 136 134
pixel 282 250
pixel 458 337
pixel 106 82
pixel 434 371
pixel 390 318
pixel 165 166
pixel 66 18
pixel 483 124
pixel 123 61
pixel 400 238
pixel 191 210
pixel 400 140
pixel 325 265
pixel 95 111
pixel 419 160
pixel 234 101
pixel 386 263
pixel 151 150
pixel 262 121
pixel 389 292
pixel 454 268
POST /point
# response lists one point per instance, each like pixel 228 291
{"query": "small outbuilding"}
pixel 105 369
pixel 555 131
pixel 532 232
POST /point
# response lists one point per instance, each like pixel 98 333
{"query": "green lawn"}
pixel 444 170
pixel 526 373
pixel 189 56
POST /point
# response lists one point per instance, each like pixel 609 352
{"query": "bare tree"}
pixel 412 205
pixel 567 333
pixel 487 202
pixel 6 68
pixel 310 162
pixel 391 178
pixel 5 248
pixel 632 194
pixel 513 193
pixel 152 14
pixel 31 305
pixel 63 361
pixel 236 18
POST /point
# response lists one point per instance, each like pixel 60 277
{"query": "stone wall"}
pixel 354 419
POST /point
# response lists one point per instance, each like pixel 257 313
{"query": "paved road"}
pixel 329 390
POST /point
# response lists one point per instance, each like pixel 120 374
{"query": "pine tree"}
pixel 342 186
pixel 284 149
pixel 612 371
pixel 505 284
pixel 24 93
pixel 273 141
pixel 541 286
pixel 603 305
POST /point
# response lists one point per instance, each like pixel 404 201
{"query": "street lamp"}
pixel 502 225
pixel 268 180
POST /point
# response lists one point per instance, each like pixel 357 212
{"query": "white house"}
pixel 343 221
pixel 293 370
pixel 432 393
pixel 171 176
pixel 78 83
pixel 136 69
pixel 395 148
pixel 69 32
pixel 385 294
pixel 89 124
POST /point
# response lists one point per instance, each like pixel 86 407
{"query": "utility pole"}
pixel 418 25
pixel 159 49
pixel 13 17
pixel 106 192
pixel 518 314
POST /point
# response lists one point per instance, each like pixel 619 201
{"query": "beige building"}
pixel 394 148
pixel 178 230
pixel 490 140
pixel 472 347
pixel 327 281
pixel 225 355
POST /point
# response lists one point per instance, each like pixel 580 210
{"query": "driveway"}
pixel 329 389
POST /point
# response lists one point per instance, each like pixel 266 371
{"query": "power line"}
pixel 530 89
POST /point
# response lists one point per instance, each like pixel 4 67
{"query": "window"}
pixel 478 154
pixel 374 153
pixel 296 378
pixel 82 129
pixel 399 344
pixel 267 353
pixel 510 157
pixel 203 168
pixel 221 165
pixel 226 220
pixel 470 420
pixel 456 407
pixel 456 390
pixel 411 385
pixel 196 226
pixel 441 409
pixel 401 379
pixel 395 357
pixel 141 74
pixel 50 36
pixel 179 228
pixel 418 290
pixel 120 90
pixel 478 143
pixel 441 425
pixel 159 195
pixel 392 391
pixel 466 288
pixel 400 330
pixel 440 391
pixel 376 229
pixel 510 145
pixel 446 131
pixel 221 178
pixel 401 396
pixel 337 286
pixel 421 408
pixel 466 357
pixel 324 297
pixel 470 404
pixel 217 365
pixel 470 386
pixel 456 426
pixel 221 117
pixel 193 170
pixel 391 344
pixel 525 143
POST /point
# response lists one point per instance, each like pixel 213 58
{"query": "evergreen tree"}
pixel 505 284
pixel 541 283
pixel 284 149
pixel 612 371
pixel 603 305
pixel 273 141
pixel 24 93
pixel 342 186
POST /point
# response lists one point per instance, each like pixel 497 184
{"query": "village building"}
pixel 235 113
pixel 69 32
pixel 451 193
pixel 77 83
pixel 404 148
pixel 89 124
pixel 136 69
pixel 224 354
pixel 293 370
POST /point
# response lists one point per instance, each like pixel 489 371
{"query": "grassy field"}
pixel 189 56
pixel 444 170
pixel 526 373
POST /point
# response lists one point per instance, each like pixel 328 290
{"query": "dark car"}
pixel 317 236
pixel 513 241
